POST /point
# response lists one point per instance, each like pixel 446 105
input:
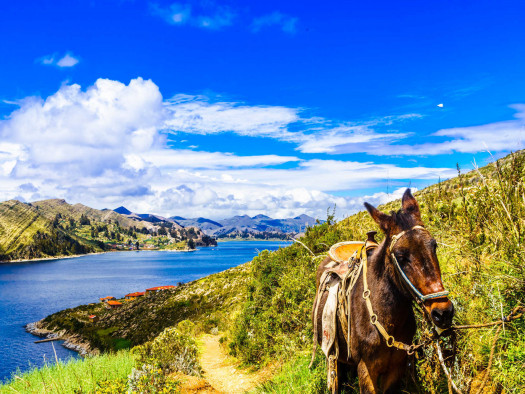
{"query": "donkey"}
pixel 404 267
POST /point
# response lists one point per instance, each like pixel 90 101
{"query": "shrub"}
pixel 174 350
pixel 152 380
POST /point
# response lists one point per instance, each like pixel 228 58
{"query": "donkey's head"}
pixel 411 251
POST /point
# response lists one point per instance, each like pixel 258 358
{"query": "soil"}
pixel 221 372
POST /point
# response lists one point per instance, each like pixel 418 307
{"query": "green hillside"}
pixel 263 308
pixel 25 234
pixel 54 228
pixel 208 302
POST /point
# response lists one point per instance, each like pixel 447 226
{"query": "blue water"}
pixel 31 291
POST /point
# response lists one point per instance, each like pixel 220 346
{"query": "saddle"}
pixel 338 280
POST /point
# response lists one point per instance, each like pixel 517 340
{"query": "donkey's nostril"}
pixel 448 314
pixel 437 315
pixel 442 317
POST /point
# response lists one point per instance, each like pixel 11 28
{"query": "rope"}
pixel 491 357
pixel 516 313
pixel 442 362
pixel 306 247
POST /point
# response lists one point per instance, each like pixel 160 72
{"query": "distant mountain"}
pixel 121 210
pixel 50 208
pixel 148 217
pixel 244 226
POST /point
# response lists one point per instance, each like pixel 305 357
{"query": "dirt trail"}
pixel 221 374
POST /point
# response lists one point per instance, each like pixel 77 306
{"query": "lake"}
pixel 33 290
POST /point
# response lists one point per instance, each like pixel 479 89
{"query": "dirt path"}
pixel 221 371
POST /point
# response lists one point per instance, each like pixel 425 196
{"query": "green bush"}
pixel 151 380
pixel 174 350
pixel 275 320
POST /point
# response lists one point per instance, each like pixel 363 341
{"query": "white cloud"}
pixel 66 61
pixel 345 138
pixel 188 159
pixel 494 137
pixel 206 15
pixel 194 114
pixel 197 115
pixel 286 23
pixel 48 60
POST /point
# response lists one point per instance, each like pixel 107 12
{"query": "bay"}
pixel 30 291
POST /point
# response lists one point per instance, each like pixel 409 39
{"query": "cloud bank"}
pixel 112 144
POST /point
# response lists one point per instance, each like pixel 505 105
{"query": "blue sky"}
pixel 214 108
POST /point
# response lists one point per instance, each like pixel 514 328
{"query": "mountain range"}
pixel 241 226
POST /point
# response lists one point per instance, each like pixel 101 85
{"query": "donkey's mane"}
pixel 405 220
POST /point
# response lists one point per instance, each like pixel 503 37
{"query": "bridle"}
pixel 420 298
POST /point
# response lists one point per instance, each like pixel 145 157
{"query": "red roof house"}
pixel 132 296
pixel 113 304
pixel 154 289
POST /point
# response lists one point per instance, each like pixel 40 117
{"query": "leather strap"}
pixel 390 340
pixel 415 292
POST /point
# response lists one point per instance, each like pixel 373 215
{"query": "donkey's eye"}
pixel 402 256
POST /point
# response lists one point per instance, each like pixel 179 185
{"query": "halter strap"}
pixel 415 291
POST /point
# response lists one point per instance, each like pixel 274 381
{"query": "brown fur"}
pixel 380 368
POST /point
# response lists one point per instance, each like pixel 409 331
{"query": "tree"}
pixel 191 244
pixel 137 245
pixel 84 220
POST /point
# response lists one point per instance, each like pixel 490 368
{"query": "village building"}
pixel 113 304
pixel 132 296
pixel 158 288
pixel 106 299
pixel 93 318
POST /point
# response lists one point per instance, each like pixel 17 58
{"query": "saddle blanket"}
pixel 329 314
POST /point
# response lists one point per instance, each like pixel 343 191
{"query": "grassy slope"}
pixel 18 223
pixel 478 220
pixel 208 302
pixel 106 373
pixel 26 233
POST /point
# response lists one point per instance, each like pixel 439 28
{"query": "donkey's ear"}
pixel 410 204
pixel 382 219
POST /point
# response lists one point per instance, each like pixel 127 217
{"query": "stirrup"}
pixel 332 378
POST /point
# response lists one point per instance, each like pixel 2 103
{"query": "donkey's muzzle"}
pixel 442 315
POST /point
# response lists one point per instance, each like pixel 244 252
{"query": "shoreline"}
pixel 251 240
pixel 71 341
pixel 72 256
